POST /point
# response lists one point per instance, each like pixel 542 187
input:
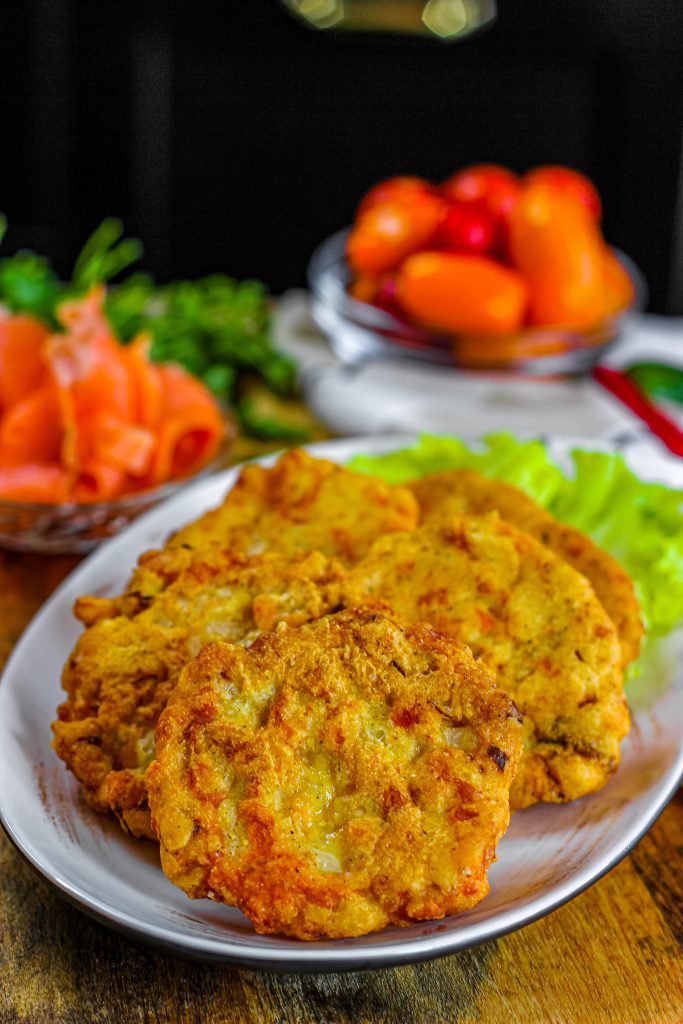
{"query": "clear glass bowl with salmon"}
pixel 93 432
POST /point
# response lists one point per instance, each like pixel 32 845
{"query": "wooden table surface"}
pixel 613 954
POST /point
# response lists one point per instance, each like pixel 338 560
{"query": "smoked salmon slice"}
pixel 122 445
pixel 98 482
pixel 146 383
pixel 34 482
pixel 91 374
pixel 88 419
pixel 22 368
pixel 30 431
pixel 191 428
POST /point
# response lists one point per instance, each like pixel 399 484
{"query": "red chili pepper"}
pixel 661 425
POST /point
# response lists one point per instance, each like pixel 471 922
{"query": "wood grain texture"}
pixel 612 955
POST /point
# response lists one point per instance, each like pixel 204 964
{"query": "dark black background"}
pixel 229 137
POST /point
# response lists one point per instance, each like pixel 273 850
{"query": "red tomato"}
pixel 494 186
pixel 395 188
pixel 386 294
pixel 467 227
pixel 567 180
pixel 377 291
pixel 619 290
pixel 385 234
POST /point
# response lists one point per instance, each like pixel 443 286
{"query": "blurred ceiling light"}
pixel 319 13
pixel 445 19
pixel 450 18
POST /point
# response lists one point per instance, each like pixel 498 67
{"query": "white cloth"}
pixel 405 396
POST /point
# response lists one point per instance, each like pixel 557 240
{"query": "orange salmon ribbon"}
pixel 87 419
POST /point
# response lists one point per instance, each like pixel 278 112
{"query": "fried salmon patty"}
pixel 535 621
pixel 333 779
pixel 126 663
pixel 303 504
pixel 452 492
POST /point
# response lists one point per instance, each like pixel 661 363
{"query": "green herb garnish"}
pixel 216 328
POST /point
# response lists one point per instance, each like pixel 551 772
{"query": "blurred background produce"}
pixel 497 146
pixel 487 253
pixel 232 137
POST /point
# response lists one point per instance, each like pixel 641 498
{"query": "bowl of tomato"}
pixel 486 271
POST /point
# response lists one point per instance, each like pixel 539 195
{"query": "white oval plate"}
pixel 549 854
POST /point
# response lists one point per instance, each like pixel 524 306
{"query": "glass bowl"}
pixel 359 332
pixel 77 528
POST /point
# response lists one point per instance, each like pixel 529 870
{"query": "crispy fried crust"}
pixel 124 666
pixel 536 622
pixel 303 504
pixel 442 495
pixel 332 779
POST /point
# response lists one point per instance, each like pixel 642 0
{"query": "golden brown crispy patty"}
pixel 443 495
pixel 536 623
pixel 336 778
pixel 303 504
pixel 124 666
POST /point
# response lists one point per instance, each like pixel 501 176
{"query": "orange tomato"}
pixel 619 291
pixel 391 230
pixel 567 180
pixel 364 288
pixel 399 188
pixel 464 294
pixel 509 348
pixel 556 244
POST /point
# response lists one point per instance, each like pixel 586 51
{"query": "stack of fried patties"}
pixel 324 697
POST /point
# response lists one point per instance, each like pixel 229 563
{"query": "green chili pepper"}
pixel 658 380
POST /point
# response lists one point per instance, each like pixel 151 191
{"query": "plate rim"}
pixel 340 959
pixel 319 958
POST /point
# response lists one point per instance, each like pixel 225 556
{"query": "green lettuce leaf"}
pixel 640 524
